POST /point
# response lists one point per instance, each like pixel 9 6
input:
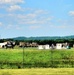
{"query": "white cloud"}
pixel 9 26
pixel 11 1
pixel 59 26
pixel 26 16
pixel 14 8
pixel 35 27
pixel 30 22
pixel 71 13
pixel 1 24
pixel 32 17
pixel 17 27
pixel 40 12
pixel 11 5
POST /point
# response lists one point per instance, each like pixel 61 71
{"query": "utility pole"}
pixel 52 50
pixel 23 56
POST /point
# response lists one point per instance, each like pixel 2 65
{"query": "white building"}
pixel 40 47
pixel 61 46
pixel 2 44
pixel 43 47
pixel 46 46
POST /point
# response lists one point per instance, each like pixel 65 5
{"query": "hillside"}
pixel 43 38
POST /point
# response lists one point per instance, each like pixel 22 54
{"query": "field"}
pixel 31 61
pixel 34 58
pixel 38 71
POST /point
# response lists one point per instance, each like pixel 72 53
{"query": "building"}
pixel 62 46
pixel 2 45
pixel 43 47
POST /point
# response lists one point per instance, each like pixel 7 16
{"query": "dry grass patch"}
pixel 38 71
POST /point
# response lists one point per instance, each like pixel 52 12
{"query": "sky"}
pixel 34 18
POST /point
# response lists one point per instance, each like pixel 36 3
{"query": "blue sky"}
pixel 36 18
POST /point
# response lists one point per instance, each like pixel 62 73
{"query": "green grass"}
pixel 13 58
pixel 38 71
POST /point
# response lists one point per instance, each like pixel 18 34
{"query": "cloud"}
pixel 71 13
pixel 61 26
pixel 14 8
pixel 11 5
pixel 11 1
pixel 33 13
pixel 10 26
pixel 35 17
pixel 17 27
pixel 34 20
pixel 30 17
pixel 1 24
pixel 30 22
pixel 34 27
pixel 40 12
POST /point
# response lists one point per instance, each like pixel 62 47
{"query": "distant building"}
pixel 40 47
pixel 46 46
pixel 62 46
pixel 43 47
pixel 59 46
pixel 2 45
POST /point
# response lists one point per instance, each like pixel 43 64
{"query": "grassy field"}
pixel 34 58
pixel 36 61
pixel 38 71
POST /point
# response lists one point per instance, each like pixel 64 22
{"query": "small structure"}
pixel 62 46
pixel 33 44
pixel 43 47
pixel 10 44
pixel 2 45
pixel 22 44
pixel 59 46
pixel 40 47
pixel 27 44
pixel 46 46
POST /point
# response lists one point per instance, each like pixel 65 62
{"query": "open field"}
pixel 38 71
pixel 34 58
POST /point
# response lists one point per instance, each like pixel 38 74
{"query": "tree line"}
pixel 42 42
